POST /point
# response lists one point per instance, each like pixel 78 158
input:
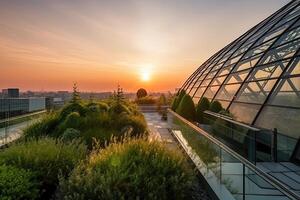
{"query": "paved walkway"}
pixel 159 129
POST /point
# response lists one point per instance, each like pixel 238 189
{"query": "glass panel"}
pixel 243 112
pixel 232 175
pixel 249 63
pixel 255 92
pixel 224 104
pixel 205 82
pixel 211 91
pixel 281 52
pixel 200 92
pixel 259 49
pixel 268 71
pixel 294 68
pixel 287 93
pixel 237 77
pixel 227 92
pixel 225 70
pixel 218 81
pixel 291 35
pixel 286 120
pixel 258 188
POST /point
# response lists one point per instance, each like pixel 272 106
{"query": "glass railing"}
pixel 12 128
pixel 228 173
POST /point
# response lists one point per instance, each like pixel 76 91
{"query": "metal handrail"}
pixel 22 116
pixel 231 120
pixel 268 178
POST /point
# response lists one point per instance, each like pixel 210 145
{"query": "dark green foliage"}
pixel 181 95
pixel 75 95
pixel 215 106
pixel 202 106
pixel 136 122
pixel 73 107
pixel 71 134
pixel 118 108
pixel 141 93
pixel 73 120
pixel 47 158
pixel 148 100
pixel 17 184
pixel 186 108
pixel 174 104
pixel 136 169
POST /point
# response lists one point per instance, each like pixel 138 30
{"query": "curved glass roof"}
pixel 257 76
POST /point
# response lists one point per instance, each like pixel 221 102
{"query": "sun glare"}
pixel 145 73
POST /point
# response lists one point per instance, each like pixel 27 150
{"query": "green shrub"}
pixel 118 108
pixel 71 134
pixel 73 120
pixel 186 108
pixel 17 184
pixel 174 104
pixel 136 169
pixel 203 105
pixel 148 100
pixel 137 122
pixel 181 95
pixel 215 106
pixel 43 127
pixel 47 158
pixel 98 107
pixel 72 107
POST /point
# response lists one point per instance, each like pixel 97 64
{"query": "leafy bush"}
pixel 72 107
pixel 215 106
pixel 43 127
pixel 186 108
pixel 73 120
pixel 98 107
pixel 148 100
pixel 137 122
pixel 17 184
pixel 47 158
pixel 175 103
pixel 118 108
pixel 203 105
pixel 141 93
pixel 136 169
pixel 70 134
pixel 181 95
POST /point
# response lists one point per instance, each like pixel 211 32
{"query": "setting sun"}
pixel 146 73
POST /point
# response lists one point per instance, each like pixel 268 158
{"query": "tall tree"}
pixel 75 95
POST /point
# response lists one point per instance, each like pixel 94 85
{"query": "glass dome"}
pixel 257 77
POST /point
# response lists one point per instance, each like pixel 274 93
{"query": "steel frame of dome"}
pixel 257 76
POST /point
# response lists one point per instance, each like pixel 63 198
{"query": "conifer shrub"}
pixel 186 108
pixel 118 108
pixel 174 104
pixel 136 169
pixel 181 95
pixel 215 106
pixel 202 106
pixel 17 184
pixel 72 107
pixel 73 120
pixel 47 158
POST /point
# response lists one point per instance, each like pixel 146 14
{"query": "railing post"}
pixel 244 196
pixel 274 145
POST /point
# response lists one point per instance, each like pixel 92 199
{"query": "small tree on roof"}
pixel 75 95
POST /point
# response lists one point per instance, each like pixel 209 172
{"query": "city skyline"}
pixel 49 45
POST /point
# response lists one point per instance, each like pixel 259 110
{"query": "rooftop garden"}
pixel 93 150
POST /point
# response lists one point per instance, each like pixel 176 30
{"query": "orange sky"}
pixel 48 45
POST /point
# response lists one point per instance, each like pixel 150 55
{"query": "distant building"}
pixel 11 104
pixel 10 93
